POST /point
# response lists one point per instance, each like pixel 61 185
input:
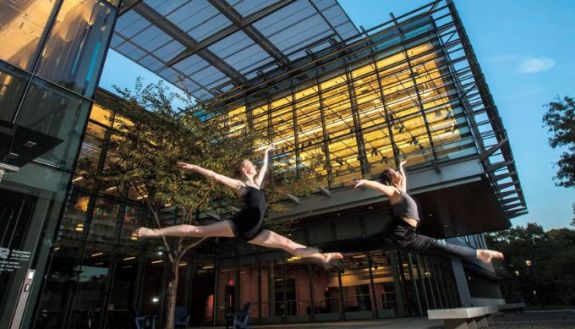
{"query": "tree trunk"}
pixel 172 295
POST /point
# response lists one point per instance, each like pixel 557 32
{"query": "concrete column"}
pixel 461 282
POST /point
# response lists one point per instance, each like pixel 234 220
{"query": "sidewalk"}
pixel 400 323
pixel 542 319
pixel 546 319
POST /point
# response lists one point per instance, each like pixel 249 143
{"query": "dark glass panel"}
pixel 30 205
pixel 56 113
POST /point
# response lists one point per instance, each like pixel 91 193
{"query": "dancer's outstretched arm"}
pixel 225 180
pixel 376 186
pixel 403 182
pixel 262 173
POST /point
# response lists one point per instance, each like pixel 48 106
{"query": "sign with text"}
pixel 12 260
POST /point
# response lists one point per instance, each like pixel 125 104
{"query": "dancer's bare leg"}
pixel 486 255
pixel 220 229
pixel 270 239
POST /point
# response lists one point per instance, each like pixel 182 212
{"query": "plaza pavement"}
pixel 545 319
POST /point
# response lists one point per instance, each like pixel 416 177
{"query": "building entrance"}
pixel 16 211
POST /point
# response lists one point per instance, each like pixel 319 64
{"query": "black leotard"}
pixel 248 222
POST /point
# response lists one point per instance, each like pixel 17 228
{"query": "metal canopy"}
pixel 211 46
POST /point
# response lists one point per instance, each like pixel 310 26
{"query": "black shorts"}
pixel 247 224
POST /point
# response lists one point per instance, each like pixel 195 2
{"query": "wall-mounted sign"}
pixel 11 260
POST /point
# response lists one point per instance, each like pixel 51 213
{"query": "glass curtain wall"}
pixel 389 99
pixel 98 275
pixel 367 285
pixel 50 63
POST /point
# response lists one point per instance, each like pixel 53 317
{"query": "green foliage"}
pixel 153 135
pixel 560 120
pixel 157 135
pixel 552 259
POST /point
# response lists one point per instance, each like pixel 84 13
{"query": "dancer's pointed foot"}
pixel 487 256
pixel 312 252
pixel 307 252
pixel 144 232
pixel 332 256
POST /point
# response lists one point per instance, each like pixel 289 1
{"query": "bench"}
pixel 464 317
pixel 181 317
pixel 239 320
pixel 512 307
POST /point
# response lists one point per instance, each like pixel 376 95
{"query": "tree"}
pixel 152 136
pixel 560 120
pixel 537 260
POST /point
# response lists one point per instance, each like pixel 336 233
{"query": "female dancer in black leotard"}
pixel 247 224
pixel 400 233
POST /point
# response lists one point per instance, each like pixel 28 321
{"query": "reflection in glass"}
pixel 22 24
pixel 56 113
pixel 59 286
pixel 73 223
pixel 134 216
pixel 76 46
pixel 104 220
pixel 89 156
pixel 12 86
pixel 92 277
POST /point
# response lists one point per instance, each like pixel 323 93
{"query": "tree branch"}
pixel 156 219
pixel 206 195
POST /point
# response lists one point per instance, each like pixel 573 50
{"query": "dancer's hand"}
pixel 358 182
pixel 270 148
pixel 402 163
pixel 265 148
pixel 185 166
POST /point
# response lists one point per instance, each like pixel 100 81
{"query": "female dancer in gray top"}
pixel 247 224
pixel 400 233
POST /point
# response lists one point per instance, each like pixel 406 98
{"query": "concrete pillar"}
pixel 461 282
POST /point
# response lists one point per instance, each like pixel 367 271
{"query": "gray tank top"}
pixel 406 207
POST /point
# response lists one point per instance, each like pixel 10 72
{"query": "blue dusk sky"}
pixel 525 49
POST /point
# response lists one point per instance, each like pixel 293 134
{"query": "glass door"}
pixel 16 210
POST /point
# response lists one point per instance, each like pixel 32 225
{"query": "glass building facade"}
pixel 98 275
pixel 375 105
pixel 343 105
pixel 51 57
